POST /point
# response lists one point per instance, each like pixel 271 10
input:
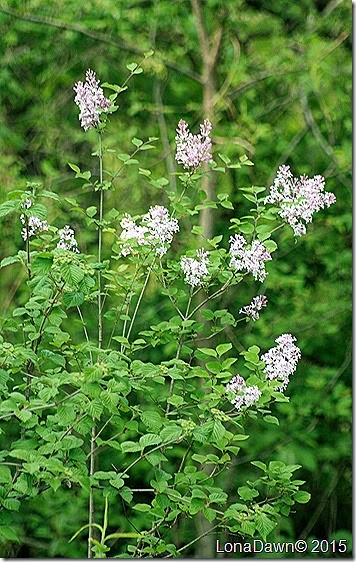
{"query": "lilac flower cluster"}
pixel 249 258
pixel 157 229
pixel 243 395
pixel 193 150
pixel 91 101
pixel 195 269
pixel 67 240
pixel 252 310
pixel 132 231
pixel 33 225
pixel 298 199
pixel 281 361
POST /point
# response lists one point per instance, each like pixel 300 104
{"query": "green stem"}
pixel 139 300
pixel 100 343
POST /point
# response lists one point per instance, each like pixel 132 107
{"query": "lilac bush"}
pixel 177 422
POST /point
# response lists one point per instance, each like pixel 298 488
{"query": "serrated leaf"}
pixel 152 420
pixel 130 447
pixel 247 493
pixel 71 273
pixel 9 260
pixel 248 528
pixel 264 525
pixel 73 298
pixel 149 439
pixel 7 207
pixel 171 433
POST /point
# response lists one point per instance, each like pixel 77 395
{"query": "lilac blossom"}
pixel 91 101
pixel 243 395
pixel 252 310
pixel 281 361
pixel 157 229
pixel 250 258
pixel 132 231
pixel 193 150
pixel 161 228
pixel 298 198
pixel 195 269
pixel 67 240
pixel 33 225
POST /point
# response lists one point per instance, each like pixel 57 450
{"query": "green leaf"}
pixel 218 497
pixel 264 525
pixel 91 211
pixel 74 167
pixel 175 400
pixel 302 497
pixel 223 348
pixel 9 260
pixel 130 447
pixel 171 432
pixel 71 273
pixel 247 493
pixel 73 298
pixel 271 419
pixel 95 409
pixel 152 420
pixel 143 507
pixel 260 465
pixel 7 207
pixel 8 533
pixel 149 439
pixel 208 351
pixel 248 528
pixel 218 431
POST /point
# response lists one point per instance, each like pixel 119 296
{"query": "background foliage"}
pixel 278 89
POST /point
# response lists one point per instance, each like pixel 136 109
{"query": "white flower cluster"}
pixel 249 258
pixel 281 361
pixel 193 150
pixel 91 101
pixel 157 229
pixel 298 198
pixel 67 240
pixel 195 269
pixel 243 395
pixel 252 310
pixel 33 225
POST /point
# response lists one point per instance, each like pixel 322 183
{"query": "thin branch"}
pixel 101 37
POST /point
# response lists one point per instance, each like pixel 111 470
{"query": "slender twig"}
pixel 138 304
pixel 85 333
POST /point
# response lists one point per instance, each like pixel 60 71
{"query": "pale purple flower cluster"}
pixel 67 240
pixel 193 150
pixel 243 395
pixel 131 231
pixel 195 269
pixel 249 258
pixel 298 198
pixel 157 229
pixel 34 226
pixel 281 361
pixel 91 101
pixel 252 310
